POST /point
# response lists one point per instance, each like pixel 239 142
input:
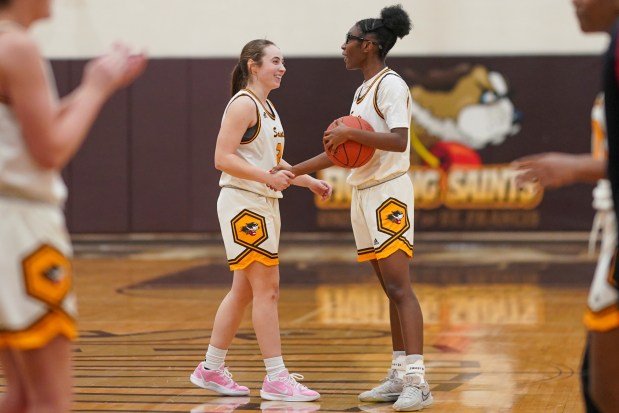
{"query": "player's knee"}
pixel 396 292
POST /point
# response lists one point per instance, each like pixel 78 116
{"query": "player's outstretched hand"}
pixel 550 170
pixel 114 70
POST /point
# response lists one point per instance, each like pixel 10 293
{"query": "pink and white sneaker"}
pixel 219 381
pixel 286 388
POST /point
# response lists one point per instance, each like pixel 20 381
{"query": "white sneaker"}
pixel 415 395
pixel 388 391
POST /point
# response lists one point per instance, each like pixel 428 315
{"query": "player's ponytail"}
pixel 239 79
pixel 253 50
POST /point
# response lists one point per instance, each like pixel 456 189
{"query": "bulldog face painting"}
pixel 457 112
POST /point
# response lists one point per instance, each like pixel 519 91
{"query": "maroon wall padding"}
pixel 99 200
pixel 210 91
pixel 148 163
pixel 159 148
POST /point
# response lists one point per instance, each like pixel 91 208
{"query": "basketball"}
pixel 351 154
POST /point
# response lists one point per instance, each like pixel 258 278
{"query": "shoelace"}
pixel 410 390
pixel 226 373
pixel 393 375
pixel 292 379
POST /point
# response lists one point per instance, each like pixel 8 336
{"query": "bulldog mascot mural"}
pixel 457 112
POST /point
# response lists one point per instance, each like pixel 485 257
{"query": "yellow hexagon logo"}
pixel 249 229
pixel 392 217
pixel 48 275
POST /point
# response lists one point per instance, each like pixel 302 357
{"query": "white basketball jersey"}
pixel 385 102
pixel 262 147
pixel 20 175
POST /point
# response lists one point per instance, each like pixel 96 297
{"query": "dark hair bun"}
pixel 396 19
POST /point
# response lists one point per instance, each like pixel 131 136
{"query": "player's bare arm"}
pixel 554 169
pixel 53 131
pixel 241 115
pixel 317 186
pixel 394 141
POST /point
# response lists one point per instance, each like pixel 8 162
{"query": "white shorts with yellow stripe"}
pixel 250 226
pixel 37 301
pixel 603 304
pixel 382 218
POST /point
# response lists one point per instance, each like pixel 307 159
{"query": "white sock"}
pixel 398 363
pixel 274 365
pixel 414 365
pixel 214 358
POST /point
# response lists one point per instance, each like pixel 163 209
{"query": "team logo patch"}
pixel 395 217
pixel 392 217
pixel 249 229
pixel 48 275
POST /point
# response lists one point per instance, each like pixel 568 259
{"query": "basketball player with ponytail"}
pixel 249 146
pixel 382 199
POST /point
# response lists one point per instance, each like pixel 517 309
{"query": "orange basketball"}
pixel 351 154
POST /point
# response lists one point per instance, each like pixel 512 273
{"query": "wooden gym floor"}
pixel 503 330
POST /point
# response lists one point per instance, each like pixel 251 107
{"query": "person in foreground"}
pixel 250 144
pixel 600 367
pixel 39 134
pixel 383 199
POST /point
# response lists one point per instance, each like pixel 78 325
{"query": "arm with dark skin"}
pixel 394 141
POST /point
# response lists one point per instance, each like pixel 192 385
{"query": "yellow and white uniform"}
pixel 602 313
pixel 248 211
pixel 37 301
pixel 382 196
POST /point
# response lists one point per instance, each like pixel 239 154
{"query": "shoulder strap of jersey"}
pixel 252 132
pixel 389 73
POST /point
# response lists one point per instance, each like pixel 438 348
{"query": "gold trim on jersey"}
pixel 248 257
pixel 378 112
pixel 250 230
pixel 40 333
pixel 365 254
pixel 607 318
pixel 372 254
pixel 604 320
pixel 270 111
pixel 258 122
pixel 611 271
pixel 361 97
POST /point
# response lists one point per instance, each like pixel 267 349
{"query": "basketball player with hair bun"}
pixel 382 198
pixel 249 145
pixel 39 134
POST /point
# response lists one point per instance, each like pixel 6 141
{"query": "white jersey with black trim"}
pixel 263 147
pixel 20 175
pixel 385 102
